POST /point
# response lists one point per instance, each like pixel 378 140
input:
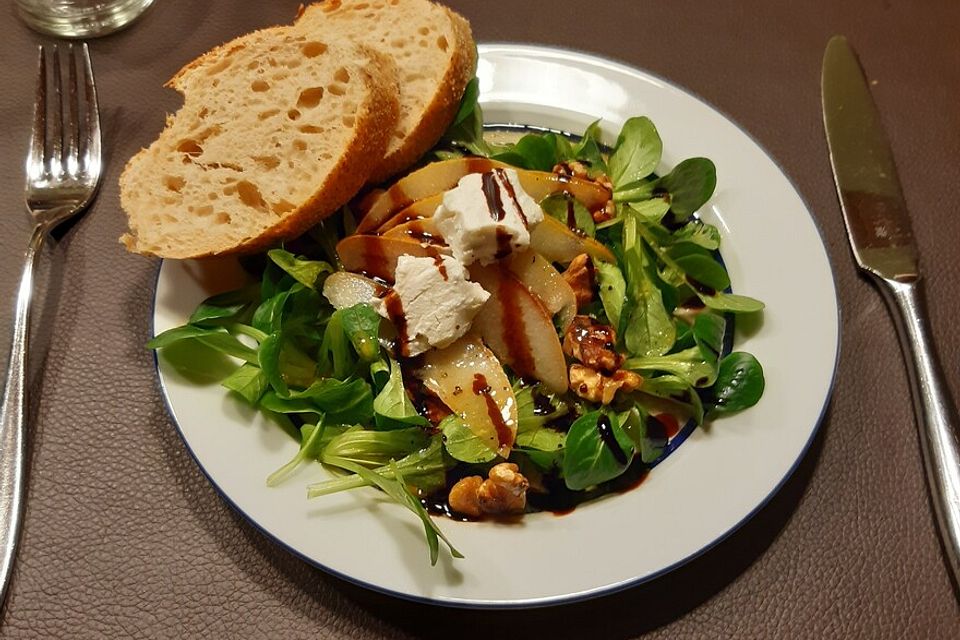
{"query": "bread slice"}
pixel 435 55
pixel 278 129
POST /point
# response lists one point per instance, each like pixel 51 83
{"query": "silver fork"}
pixel 63 172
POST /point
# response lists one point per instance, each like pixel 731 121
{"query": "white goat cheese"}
pixel 487 216
pixel 436 302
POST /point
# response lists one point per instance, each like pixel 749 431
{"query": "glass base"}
pixel 80 18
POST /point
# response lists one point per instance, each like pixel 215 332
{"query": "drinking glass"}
pixel 80 18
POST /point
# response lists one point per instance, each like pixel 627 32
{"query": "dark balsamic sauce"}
pixel 503 244
pixel 417 230
pixel 515 336
pixel 378 265
pixel 482 388
pixel 605 429
pixel 398 318
pixel 701 288
pixel 513 195
pixel 492 194
pixel 442 268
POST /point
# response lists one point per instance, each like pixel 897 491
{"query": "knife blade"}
pixel 878 227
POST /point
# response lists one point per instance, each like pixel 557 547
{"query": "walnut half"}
pixel 503 492
pixel 594 386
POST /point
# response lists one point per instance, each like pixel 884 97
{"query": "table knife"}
pixel 878 227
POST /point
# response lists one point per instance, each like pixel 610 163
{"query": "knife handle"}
pixel 936 414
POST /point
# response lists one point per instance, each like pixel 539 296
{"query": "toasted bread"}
pixel 435 56
pixel 278 129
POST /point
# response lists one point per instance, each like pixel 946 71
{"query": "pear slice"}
pixel 419 210
pixel 556 242
pixel 376 256
pixel 546 283
pixel 432 179
pixel 517 327
pixel 437 177
pixel 469 379
pixel 420 230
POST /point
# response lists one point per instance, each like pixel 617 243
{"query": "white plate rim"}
pixel 557 53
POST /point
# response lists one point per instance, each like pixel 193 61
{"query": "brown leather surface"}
pixel 124 537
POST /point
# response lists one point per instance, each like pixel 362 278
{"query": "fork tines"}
pixel 64 146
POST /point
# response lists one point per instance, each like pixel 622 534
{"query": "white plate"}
pixel 696 497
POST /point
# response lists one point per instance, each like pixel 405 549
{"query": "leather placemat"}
pixel 124 537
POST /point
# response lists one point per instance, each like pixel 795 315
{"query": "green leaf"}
pixel 309 273
pixel 396 488
pixel 690 185
pixel 649 443
pixel 224 306
pixel 392 407
pixel 739 384
pixel 185 332
pixel 589 456
pixel 227 344
pixel 698 233
pixel 376 448
pixel 612 288
pixel 306 452
pixel 269 315
pixel 344 401
pixel 334 358
pixel 426 468
pixel 708 332
pixel 671 394
pixel 731 302
pixel 653 209
pixel 467 128
pixel 565 208
pixel 636 191
pixel 462 443
pixel 269 360
pixel 637 152
pixel 688 364
pixel 249 381
pixel 649 330
pixel 537 152
pixel 361 323
pixel 699 264
pixel 588 150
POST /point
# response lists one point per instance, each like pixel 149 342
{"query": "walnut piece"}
pixel 594 386
pixel 580 275
pixel 504 491
pixel 592 344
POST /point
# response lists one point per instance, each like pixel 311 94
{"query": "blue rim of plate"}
pixel 680 437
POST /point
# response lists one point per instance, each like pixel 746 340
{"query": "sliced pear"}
pixel 376 256
pixel 420 209
pixel 517 327
pixel 545 282
pixel 420 230
pixel 438 177
pixel 344 289
pixel 556 242
pixel 469 379
pixel 432 179
pixel 540 184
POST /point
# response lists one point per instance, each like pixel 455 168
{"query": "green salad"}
pixel 593 350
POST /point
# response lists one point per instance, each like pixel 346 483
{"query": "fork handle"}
pixel 936 414
pixel 13 418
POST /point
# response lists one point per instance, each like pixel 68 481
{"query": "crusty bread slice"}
pixel 435 55
pixel 278 129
